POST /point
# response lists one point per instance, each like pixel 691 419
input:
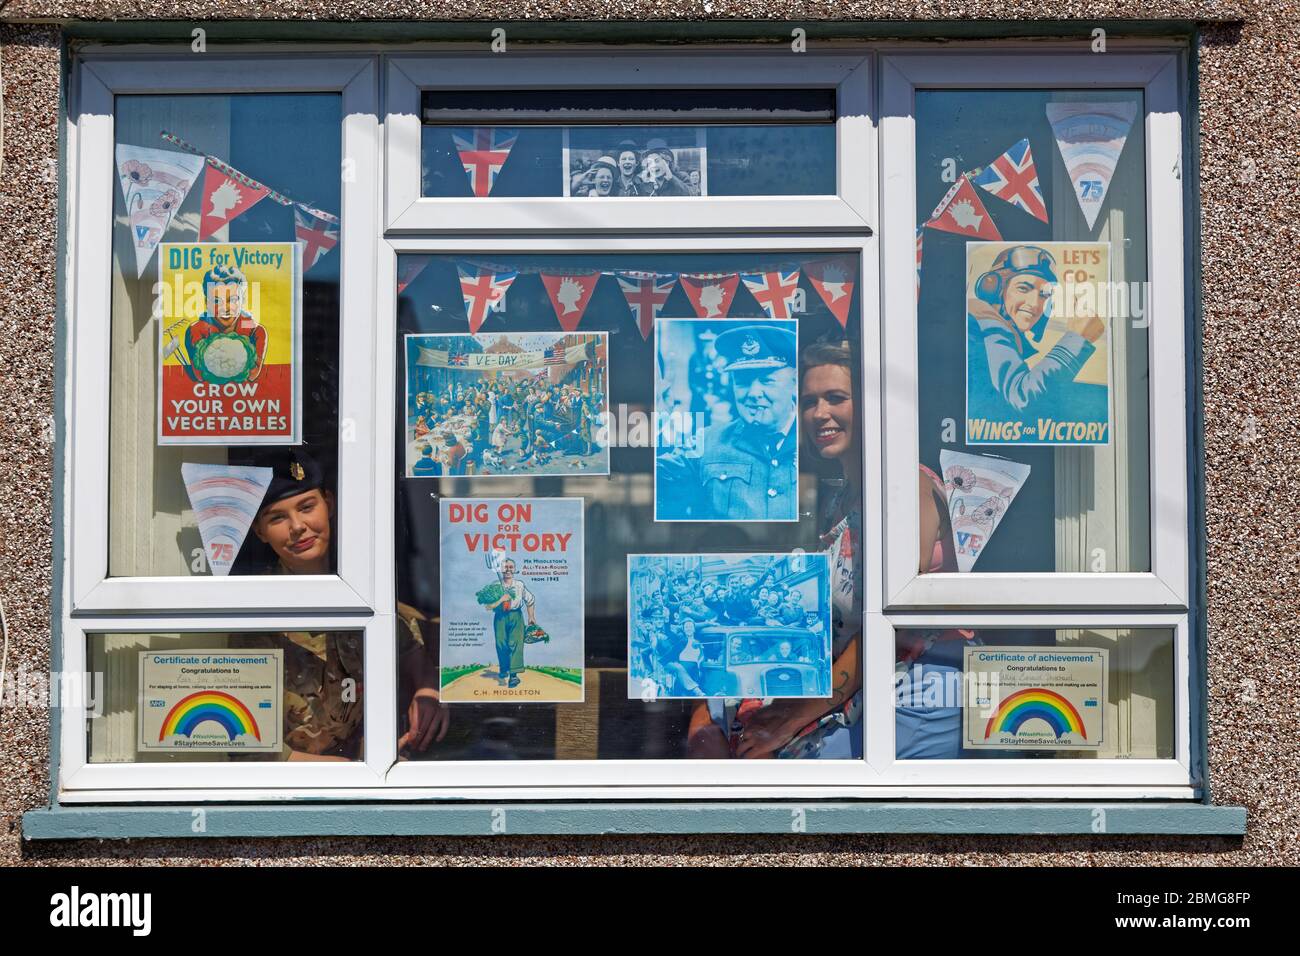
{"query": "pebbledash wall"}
pixel 1245 58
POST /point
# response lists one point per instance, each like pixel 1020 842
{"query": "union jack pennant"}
pixel 1012 177
pixel 483 151
pixel 483 292
pixel 318 231
pixel 777 292
pixel 458 359
pixel 646 293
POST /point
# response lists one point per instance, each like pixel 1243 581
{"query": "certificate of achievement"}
pixel 1035 698
pixel 218 701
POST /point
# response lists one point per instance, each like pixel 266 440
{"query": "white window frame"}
pixel 413 224
pixel 76 773
pixel 408 212
pixel 98 80
pixel 1159 76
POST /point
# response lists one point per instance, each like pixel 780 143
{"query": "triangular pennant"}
pixel 482 292
pixel 777 291
pixel 318 231
pixel 483 151
pixel 154 184
pixel 1013 178
pixel 226 197
pixel 1090 137
pixel 225 499
pixel 570 295
pixel 408 269
pixel 980 490
pixel 710 294
pixel 834 280
pixel 646 294
pixel 962 212
pixel 920 237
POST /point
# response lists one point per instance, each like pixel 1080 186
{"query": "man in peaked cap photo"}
pixel 746 469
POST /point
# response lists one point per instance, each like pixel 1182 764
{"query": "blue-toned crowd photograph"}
pixel 729 625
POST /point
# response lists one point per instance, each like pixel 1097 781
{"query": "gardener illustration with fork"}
pixel 508 622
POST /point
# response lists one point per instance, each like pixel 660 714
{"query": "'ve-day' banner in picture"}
pixel 230 345
pixel 1037 343
pixel 512 615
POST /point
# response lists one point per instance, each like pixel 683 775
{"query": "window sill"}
pixel 463 819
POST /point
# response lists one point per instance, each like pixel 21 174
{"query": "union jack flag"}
pixel 318 231
pixel 483 151
pixel 458 359
pixel 777 292
pixel 646 293
pixel 1013 177
pixel 482 292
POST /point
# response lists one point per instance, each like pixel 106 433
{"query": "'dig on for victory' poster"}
pixel 512 600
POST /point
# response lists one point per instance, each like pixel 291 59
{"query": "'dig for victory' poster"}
pixel 512 600
pixel 1038 343
pixel 230 347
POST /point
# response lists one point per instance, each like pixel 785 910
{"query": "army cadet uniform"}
pixel 323 671
pixel 739 471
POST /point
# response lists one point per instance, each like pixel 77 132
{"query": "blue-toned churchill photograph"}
pixel 728 625
pixel 726 414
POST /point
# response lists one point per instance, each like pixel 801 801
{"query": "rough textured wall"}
pixel 1249 205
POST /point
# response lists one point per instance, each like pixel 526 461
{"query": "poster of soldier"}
pixel 727 423
pixel 728 625
pixel 512 600
pixel 506 404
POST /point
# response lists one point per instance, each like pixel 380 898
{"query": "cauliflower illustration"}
pixel 226 358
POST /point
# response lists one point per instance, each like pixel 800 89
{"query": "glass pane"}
pixel 538 438
pixel 225 322
pixel 165 698
pixel 1034 693
pixel 629 144
pixel 1032 329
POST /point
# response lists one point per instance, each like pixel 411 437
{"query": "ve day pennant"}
pixel 1091 137
pixel 483 292
pixel 711 294
pixel 834 280
pixel 646 294
pixel 569 295
pixel 225 499
pixel 980 490
pixel 777 291
pixel 1013 178
pixel 962 212
pixel 227 195
pixel 154 184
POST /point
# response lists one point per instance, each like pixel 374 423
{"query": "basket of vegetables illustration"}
pixel 533 634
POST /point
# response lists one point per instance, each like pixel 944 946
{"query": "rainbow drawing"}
pixel 225 499
pixel 198 708
pixel 1036 703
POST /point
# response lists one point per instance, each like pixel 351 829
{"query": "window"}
pixel 396 464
